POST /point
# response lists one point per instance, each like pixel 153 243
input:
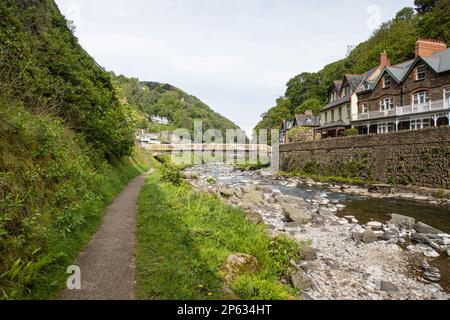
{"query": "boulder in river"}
pixel 403 222
pixel 253 197
pixel 424 228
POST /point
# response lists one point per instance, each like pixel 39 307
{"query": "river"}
pixel 331 234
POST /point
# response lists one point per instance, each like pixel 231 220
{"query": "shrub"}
pixel 351 132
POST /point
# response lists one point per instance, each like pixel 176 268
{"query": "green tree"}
pixel 313 104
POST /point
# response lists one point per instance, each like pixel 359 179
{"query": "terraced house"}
pixel 336 116
pixel 411 95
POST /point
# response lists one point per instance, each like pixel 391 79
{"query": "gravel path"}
pixel 108 264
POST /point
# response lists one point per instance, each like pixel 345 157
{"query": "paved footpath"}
pixel 108 263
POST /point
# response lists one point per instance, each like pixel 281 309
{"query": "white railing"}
pixel 438 105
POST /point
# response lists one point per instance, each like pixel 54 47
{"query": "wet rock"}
pixel 368 236
pixel 388 286
pixel 297 215
pixel 239 264
pixel 426 229
pixel 301 281
pixel 448 252
pixel 401 221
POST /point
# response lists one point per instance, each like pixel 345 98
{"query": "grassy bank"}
pixel 185 237
pixel 53 192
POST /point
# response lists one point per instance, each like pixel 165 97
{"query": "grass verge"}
pixel 184 238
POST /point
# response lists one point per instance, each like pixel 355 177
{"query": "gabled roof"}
pixel 336 103
pixel 439 62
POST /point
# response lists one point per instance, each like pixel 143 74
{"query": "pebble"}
pixel 375 225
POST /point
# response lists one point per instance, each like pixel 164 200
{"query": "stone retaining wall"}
pixel 420 158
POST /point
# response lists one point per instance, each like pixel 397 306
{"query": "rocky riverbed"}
pixel 347 259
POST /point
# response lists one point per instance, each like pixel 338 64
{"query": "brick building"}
pixel 411 95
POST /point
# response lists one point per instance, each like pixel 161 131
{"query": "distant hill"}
pixel 397 37
pixel 162 99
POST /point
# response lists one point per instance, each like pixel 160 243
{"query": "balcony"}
pixel 432 106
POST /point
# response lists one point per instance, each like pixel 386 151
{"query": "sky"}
pixel 234 55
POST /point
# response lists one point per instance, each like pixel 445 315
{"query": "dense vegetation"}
pixel 397 37
pixel 182 109
pixel 66 148
pixel 185 237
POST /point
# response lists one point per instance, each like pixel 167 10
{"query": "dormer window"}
pixel 420 72
pixel 366 86
pixel 387 80
pixel 347 91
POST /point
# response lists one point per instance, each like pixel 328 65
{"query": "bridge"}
pixel 160 149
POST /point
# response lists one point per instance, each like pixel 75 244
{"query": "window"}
pixel 386 104
pixel 447 95
pixel 421 97
pixel 386 127
pixel 366 86
pixel 418 124
pixel 420 72
pixel 347 91
pixel 326 117
pixel 364 108
pixel 340 113
pixel 387 82
pixel 332 115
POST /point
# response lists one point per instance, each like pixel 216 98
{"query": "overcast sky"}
pixel 235 55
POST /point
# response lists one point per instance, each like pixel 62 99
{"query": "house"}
pixel 308 121
pixel 151 138
pixel 159 120
pixel 411 95
pixel 336 116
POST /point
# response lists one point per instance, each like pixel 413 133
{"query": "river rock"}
pixel 432 275
pixel 226 192
pixel 239 264
pixel 424 228
pixel 448 252
pixel 390 234
pixel 253 217
pixel 238 193
pixel 307 253
pixel 402 221
pixel 375 225
pixel 301 281
pixel 368 236
pixel 253 197
pixel 297 215
pixel 431 254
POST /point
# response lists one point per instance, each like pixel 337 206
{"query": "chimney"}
pixel 384 60
pixel 426 47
